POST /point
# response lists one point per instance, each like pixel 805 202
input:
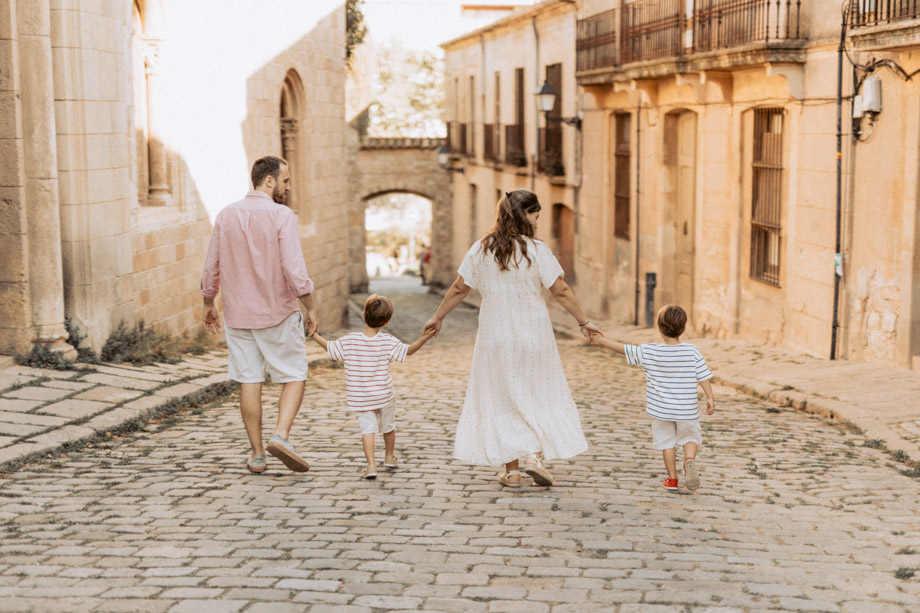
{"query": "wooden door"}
pixel 686 209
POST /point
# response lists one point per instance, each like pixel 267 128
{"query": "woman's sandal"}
pixel 505 478
pixel 540 475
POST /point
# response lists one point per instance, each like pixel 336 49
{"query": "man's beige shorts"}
pixel 281 349
pixel 382 420
pixel 669 434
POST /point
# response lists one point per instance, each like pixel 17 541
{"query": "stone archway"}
pixel 400 165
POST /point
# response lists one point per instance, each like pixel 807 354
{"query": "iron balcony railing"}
pixel 654 29
pixel 596 42
pixel 489 150
pixel 878 12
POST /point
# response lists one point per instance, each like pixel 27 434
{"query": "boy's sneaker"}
pixel 282 449
pixel 256 464
pixel 691 474
pixel 670 484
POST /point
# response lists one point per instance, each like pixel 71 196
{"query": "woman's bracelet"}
pixel 584 324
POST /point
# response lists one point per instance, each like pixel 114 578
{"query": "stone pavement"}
pixel 881 401
pixel 43 410
pixel 794 514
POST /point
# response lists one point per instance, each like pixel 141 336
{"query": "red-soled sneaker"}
pixel 670 484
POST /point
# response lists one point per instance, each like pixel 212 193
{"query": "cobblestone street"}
pixel 794 513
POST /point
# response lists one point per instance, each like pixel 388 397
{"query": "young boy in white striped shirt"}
pixel 672 372
pixel 368 384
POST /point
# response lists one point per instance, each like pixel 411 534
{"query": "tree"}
pixel 355 28
pixel 409 94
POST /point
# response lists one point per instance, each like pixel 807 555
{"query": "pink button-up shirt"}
pixel 255 257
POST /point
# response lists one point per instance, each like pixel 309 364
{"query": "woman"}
pixel 518 401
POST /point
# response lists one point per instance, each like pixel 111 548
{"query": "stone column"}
pixel 46 279
pixel 159 194
pixel 156 151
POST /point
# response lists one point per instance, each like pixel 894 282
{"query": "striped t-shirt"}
pixel 368 384
pixel 671 376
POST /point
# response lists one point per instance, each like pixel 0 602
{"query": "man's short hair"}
pixel 265 166
pixel 377 311
pixel 672 320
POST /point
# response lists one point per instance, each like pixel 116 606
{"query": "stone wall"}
pixel 101 219
pixel 314 68
pixel 408 165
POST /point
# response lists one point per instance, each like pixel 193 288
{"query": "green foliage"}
pixel 42 357
pixel 75 337
pixel 355 28
pixel 409 94
pixel 143 345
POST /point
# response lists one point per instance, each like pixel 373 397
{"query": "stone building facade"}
pixel 102 220
pixel 296 108
pixel 707 158
pixel 497 140
pixel 710 151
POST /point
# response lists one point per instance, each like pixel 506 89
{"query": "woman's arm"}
pixel 454 296
pixel 566 297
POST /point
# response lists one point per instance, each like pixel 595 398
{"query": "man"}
pixel 255 258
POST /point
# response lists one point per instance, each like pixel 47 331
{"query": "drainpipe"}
pixel 638 193
pixel 536 109
pixel 838 257
pixel 482 89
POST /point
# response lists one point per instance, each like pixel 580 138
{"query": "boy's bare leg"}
pixel 689 450
pixel 389 443
pixel 288 406
pixel 368 441
pixel 670 462
pixel 251 411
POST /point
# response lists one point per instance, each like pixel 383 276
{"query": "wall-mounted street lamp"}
pixel 546 100
pixel 446 162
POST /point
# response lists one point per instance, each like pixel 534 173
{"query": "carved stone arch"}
pixel 291 113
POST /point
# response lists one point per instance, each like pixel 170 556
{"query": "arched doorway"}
pixel 398 242
pixel 292 148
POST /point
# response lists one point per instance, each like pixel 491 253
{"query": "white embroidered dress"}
pixel 518 400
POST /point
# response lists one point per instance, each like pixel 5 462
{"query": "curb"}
pixel 836 410
pixel 164 400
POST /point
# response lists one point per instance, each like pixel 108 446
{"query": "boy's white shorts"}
pixel 669 434
pixel 382 420
pixel 281 348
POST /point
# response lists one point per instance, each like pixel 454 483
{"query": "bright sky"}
pixel 213 46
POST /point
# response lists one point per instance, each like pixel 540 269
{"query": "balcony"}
pixel 877 25
pixel 650 38
pixel 456 138
pixel 865 13
pixel 514 146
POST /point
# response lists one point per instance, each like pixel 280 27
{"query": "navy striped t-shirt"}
pixel 671 376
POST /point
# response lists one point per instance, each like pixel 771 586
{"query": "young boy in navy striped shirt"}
pixel 672 372
pixel 368 384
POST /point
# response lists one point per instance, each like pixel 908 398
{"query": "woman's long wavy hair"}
pixel 512 228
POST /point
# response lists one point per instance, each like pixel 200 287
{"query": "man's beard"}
pixel 279 196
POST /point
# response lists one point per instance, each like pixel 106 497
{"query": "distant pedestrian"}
pixel 255 259
pixel 672 372
pixel 369 386
pixel 518 402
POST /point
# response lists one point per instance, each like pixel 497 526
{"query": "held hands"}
pixel 311 322
pixel 432 327
pixel 591 332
